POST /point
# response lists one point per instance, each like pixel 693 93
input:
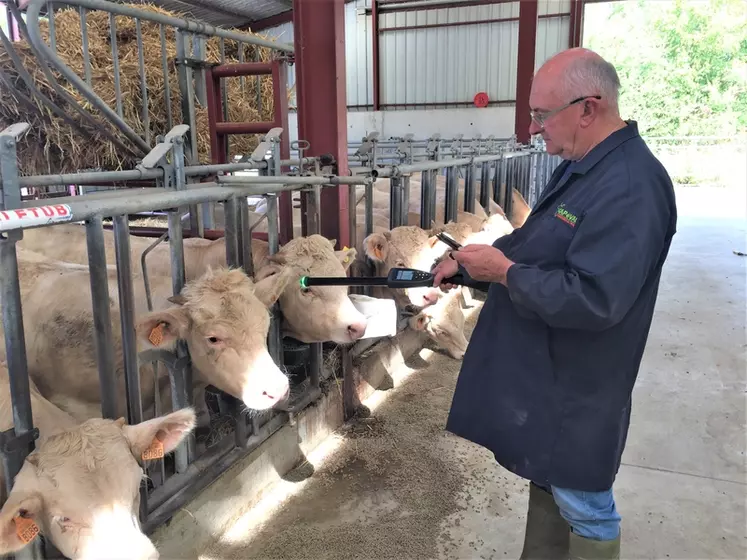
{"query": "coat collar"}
pixel 582 166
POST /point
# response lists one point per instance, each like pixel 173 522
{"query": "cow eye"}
pixel 213 339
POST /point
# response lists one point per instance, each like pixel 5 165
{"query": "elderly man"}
pixel 547 379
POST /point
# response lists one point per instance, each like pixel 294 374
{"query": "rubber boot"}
pixel 547 533
pixel 581 548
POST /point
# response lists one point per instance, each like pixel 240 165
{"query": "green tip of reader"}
pixel 303 282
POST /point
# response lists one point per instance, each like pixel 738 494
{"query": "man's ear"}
pixel 161 329
pixel 346 257
pixel 20 516
pixel 376 246
pixel 155 438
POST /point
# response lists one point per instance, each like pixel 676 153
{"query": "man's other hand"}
pixel 445 269
pixel 484 262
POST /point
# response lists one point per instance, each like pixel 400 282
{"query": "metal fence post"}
pixel 17 442
pixel 469 187
pixel 452 195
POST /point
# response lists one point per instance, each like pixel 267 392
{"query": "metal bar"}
pixel 369 209
pixel 35 37
pixel 395 202
pixel 375 54
pixel 280 106
pixel 198 53
pixel 81 209
pixel 197 170
pixel 102 327
pixel 349 389
pixel 145 115
pixel 127 307
pixel 452 192
pixel 84 39
pixel 179 23
pixel 274 340
pixel 115 62
pixel 235 69
pixel 427 200
pixel 393 7
pixel 215 110
pixel 224 90
pixel 15 345
pixel 485 185
pixel 469 188
pixel 52 34
pixel 166 76
pixel 244 127
pixel 247 260
pixel 232 249
pixel 88 178
pixel 241 61
pixel 464 23
pixel 293 180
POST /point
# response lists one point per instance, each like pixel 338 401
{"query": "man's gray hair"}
pixel 592 75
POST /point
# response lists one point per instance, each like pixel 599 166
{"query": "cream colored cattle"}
pixel 222 316
pixel 321 317
pixel 317 313
pixel 80 486
pixel 444 324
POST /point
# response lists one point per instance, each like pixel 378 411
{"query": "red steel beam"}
pixel 525 67
pixel 463 23
pixel 391 7
pixel 224 128
pixel 319 39
pixel 242 69
pixel 576 27
pixel 375 54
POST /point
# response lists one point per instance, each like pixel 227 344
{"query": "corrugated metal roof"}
pixel 225 13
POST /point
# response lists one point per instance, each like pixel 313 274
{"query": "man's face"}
pixel 559 129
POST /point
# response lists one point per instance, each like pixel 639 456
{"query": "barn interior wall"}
pixel 437 65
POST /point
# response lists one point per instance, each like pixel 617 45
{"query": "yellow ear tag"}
pixel 26 529
pixel 347 259
pixel 156 335
pixel 154 451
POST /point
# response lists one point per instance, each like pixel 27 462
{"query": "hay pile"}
pixel 53 145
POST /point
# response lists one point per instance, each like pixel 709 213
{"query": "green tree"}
pixel 682 63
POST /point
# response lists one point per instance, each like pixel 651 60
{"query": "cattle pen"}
pixel 162 170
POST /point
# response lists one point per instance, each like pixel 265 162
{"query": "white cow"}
pixel 80 486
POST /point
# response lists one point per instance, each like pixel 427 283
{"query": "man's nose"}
pixel 534 128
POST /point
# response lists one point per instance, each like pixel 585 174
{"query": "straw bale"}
pixel 54 146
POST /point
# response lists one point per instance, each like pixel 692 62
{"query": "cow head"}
pixel 81 488
pixel 404 247
pixel 224 318
pixel 318 313
pixel 444 324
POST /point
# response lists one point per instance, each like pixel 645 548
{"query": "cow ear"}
pixel 19 518
pixel 155 438
pixel 376 246
pixel 432 240
pixel 418 322
pixel 161 329
pixel 346 256
pixel 273 284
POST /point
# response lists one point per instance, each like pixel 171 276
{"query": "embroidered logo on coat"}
pixel 563 214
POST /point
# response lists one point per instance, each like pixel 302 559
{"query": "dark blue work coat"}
pixel 547 378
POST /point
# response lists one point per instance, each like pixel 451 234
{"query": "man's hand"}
pixel 445 269
pixel 484 262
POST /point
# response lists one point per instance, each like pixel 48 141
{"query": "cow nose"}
pixel 357 330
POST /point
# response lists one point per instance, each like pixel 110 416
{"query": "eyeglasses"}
pixel 539 118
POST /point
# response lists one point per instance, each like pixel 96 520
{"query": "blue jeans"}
pixel 592 515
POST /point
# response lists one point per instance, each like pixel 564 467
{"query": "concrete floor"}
pixel 400 487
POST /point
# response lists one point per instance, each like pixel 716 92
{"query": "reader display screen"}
pixel 404 275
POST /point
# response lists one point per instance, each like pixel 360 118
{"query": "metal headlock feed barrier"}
pixel 490 168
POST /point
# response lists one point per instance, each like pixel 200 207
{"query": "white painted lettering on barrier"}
pixel 40 215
